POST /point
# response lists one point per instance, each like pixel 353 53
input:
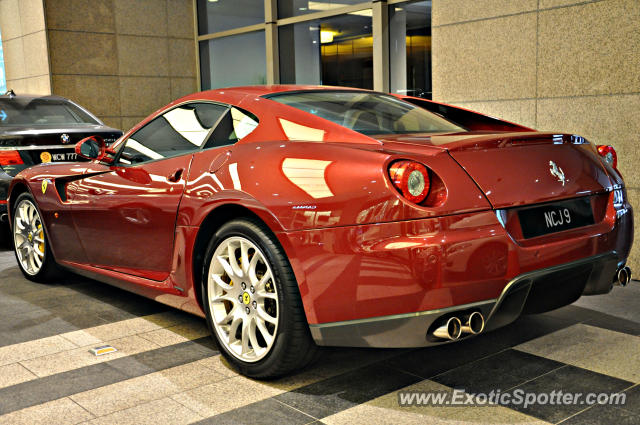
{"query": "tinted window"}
pixel 179 131
pixel 233 60
pixel 235 125
pixel 333 51
pixel 289 8
pixel 366 112
pixel 215 16
pixel 42 111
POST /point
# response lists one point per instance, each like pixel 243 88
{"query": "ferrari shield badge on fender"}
pixel 45 183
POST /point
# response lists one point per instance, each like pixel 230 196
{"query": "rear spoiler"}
pixel 468 119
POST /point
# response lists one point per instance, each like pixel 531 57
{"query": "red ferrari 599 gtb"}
pixel 293 217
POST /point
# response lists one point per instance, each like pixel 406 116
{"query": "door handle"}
pixel 175 177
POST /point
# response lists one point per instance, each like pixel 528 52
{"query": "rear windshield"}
pixel 41 111
pixel 367 113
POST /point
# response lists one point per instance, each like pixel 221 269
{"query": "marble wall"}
pixel 24 41
pixel 121 59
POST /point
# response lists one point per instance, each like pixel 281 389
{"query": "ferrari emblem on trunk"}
pixel 556 172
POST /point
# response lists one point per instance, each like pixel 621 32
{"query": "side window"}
pixel 176 132
pixel 235 125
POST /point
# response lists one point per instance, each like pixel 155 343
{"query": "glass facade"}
pixel 223 15
pixel 233 61
pixel 328 42
pixel 289 8
pixel 335 51
pixel 3 81
pixel 410 48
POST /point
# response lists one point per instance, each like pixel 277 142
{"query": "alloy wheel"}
pixel 243 299
pixel 28 237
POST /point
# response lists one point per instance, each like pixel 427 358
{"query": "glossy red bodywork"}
pixel 357 247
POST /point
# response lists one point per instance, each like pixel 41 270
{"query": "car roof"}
pixel 243 95
pixel 277 88
pixel 25 99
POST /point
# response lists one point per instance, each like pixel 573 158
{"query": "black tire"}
pixel 49 270
pixel 293 347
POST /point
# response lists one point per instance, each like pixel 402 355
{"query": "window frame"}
pixel 121 148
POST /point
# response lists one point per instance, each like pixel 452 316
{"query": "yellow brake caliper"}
pixel 41 234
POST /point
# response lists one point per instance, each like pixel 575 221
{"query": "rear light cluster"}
pixel 10 158
pixel 412 180
pixel 608 154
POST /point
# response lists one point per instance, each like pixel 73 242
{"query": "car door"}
pixel 125 212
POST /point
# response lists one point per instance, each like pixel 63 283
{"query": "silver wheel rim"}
pixel 243 299
pixel 28 237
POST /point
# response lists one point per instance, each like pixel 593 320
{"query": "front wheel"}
pixel 252 302
pixel 30 242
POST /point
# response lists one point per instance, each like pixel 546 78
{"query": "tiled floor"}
pixel 167 369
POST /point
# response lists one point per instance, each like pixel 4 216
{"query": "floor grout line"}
pixel 304 413
pixel 83 408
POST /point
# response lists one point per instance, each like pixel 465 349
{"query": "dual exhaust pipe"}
pixel 454 327
pixel 622 277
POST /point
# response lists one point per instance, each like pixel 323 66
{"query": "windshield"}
pixel 41 111
pixel 367 113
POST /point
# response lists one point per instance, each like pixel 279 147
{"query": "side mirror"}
pixel 92 147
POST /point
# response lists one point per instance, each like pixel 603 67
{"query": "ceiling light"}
pixel 326 36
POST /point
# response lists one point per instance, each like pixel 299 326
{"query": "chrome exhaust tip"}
pixel 4 217
pixel 623 276
pixel 473 323
pixel 451 329
pixel 628 274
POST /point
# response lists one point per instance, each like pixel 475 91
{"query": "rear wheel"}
pixel 252 302
pixel 30 242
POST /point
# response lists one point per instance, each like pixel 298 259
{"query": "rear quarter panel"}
pixel 306 185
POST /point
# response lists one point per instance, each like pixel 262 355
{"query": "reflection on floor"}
pixel 168 370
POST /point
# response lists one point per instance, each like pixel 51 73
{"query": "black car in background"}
pixel 37 129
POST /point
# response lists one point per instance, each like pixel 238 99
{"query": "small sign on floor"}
pixel 101 351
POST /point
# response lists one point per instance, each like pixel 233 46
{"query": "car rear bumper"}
pixel 532 292
pixel 357 281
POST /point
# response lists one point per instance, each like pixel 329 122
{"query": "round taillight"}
pixel 608 153
pixel 411 179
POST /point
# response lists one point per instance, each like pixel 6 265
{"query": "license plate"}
pixel 58 156
pixel 64 156
pixel 555 217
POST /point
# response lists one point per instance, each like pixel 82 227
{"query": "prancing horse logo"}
pixel 556 172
